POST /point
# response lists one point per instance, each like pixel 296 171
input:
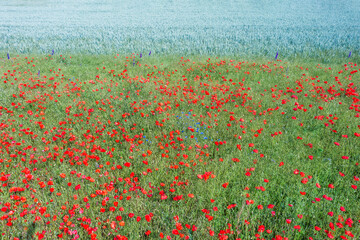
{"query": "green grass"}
pixel 261 97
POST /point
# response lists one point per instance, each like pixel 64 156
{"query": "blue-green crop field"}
pixel 240 28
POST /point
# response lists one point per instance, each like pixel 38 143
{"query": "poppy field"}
pixel 167 147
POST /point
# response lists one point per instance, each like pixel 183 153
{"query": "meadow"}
pixel 149 146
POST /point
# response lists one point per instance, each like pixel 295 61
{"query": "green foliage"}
pixel 228 141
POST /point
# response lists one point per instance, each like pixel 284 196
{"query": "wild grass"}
pixel 169 146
